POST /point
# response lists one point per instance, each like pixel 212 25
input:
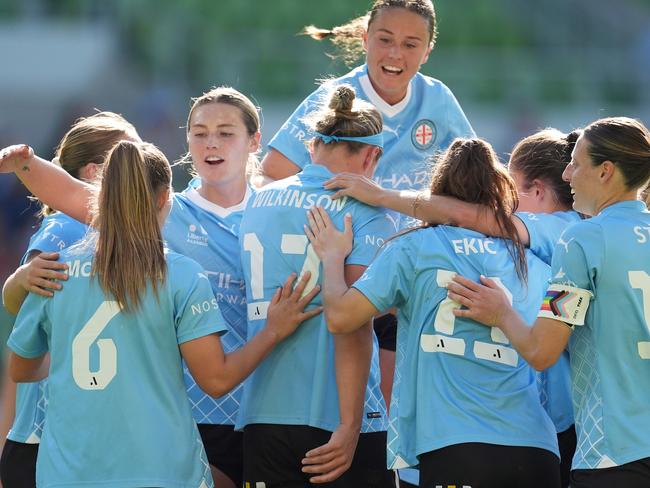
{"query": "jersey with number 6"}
pixel 609 256
pixel 296 383
pixel 118 413
pixel 456 381
pixel 57 231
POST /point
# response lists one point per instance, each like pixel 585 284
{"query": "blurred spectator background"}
pixel 514 65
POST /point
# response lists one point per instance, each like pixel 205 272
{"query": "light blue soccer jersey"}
pixel 544 230
pixel 57 231
pixel 209 234
pixel 415 129
pixel 609 256
pixel 118 414
pixel 456 381
pixel 296 384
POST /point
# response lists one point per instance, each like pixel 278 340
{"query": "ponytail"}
pixel 129 251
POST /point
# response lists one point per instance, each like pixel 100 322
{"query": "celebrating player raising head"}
pixel 421 116
pixel 144 314
pixel 598 297
pixel 463 399
pixel 290 403
pixel 81 153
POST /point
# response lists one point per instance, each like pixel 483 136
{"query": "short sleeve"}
pixel 55 234
pixel 292 137
pixel 544 230
pixel 196 312
pixel 28 339
pixel 457 123
pixel 576 259
pixel 387 281
pixel 371 230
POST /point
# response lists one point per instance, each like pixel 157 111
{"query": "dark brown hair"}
pixel 470 171
pixel 347 38
pixel 544 156
pixel 623 141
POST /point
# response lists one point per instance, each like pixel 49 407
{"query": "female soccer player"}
pixel 598 298
pixel 465 405
pixel 310 391
pixel 420 114
pixel 544 211
pixel 81 153
pixel 223 131
pixel 115 356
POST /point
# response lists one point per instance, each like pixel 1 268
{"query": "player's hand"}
pixel 287 309
pixel 331 460
pixel 42 274
pixel 11 157
pixel 356 186
pixel 484 302
pixel 325 238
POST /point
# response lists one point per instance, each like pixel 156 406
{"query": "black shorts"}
pixel 490 466
pixel 225 449
pixel 18 465
pixel 567 442
pixel 273 454
pixel 385 328
pixel 631 475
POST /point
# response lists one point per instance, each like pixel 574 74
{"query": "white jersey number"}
pixel 84 340
pixel 444 323
pixel 290 244
pixel 640 280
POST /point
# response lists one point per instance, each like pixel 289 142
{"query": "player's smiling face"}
pixel 219 143
pixel 396 44
pixel 584 179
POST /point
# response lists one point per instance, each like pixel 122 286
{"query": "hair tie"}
pixel 373 140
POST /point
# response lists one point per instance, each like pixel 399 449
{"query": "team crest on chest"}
pixel 424 134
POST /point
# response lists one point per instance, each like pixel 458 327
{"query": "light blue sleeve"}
pixel 457 123
pixel 577 256
pixel 387 281
pixel 544 230
pixel 55 234
pixel 370 233
pixel 195 306
pixel 292 137
pixel 29 338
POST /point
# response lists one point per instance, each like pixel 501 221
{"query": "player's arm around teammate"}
pixel 599 266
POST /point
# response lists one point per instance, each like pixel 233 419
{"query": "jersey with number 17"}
pixel 456 381
pixel 296 383
pixel 117 396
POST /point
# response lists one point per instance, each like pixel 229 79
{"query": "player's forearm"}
pixel 55 187
pixel 13 293
pixel 238 364
pixel 353 353
pixel 26 370
pixel 529 341
pixel 338 313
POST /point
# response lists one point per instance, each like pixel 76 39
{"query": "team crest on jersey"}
pixel 424 134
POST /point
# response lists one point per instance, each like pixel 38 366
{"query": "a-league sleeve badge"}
pixel 424 134
pixel 565 303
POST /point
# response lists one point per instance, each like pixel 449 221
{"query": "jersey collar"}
pixel 380 103
pixel 193 196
